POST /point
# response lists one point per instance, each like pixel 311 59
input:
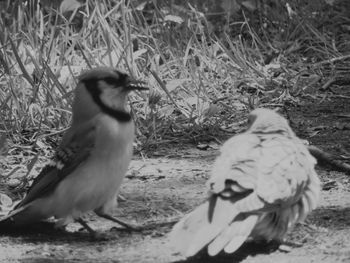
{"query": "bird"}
pixel 90 163
pixel 262 183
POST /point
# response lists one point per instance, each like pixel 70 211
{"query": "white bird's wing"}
pixel 231 187
pixel 254 175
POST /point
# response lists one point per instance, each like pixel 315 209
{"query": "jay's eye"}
pixel 112 81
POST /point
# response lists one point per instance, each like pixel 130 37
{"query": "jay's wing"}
pixel 75 148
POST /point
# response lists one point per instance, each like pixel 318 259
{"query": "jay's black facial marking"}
pixel 92 88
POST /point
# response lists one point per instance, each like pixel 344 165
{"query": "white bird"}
pixel 91 161
pixel 262 183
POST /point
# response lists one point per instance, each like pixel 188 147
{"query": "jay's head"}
pixel 104 90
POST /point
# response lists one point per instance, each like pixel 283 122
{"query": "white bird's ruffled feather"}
pixel 262 183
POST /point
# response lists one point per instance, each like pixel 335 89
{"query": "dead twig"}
pixel 326 158
pixel 313 82
pixel 155 225
pixel 151 226
pixel 328 84
pixel 332 60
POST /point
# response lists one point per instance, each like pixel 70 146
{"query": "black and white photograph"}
pixel 174 131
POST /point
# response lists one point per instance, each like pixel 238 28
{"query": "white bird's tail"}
pixel 216 224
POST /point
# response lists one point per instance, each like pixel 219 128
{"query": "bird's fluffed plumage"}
pixel 91 161
pixel 262 183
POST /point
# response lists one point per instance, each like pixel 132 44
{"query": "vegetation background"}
pixel 207 62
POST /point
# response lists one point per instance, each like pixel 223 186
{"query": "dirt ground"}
pixel 163 187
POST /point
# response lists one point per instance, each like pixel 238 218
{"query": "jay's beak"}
pixel 135 85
